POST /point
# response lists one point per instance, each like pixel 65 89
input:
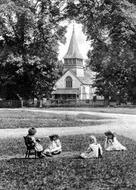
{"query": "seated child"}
pixel 94 150
pixel 54 146
pixel 111 142
pixel 36 142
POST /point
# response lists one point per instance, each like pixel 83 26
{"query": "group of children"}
pixel 53 148
pixel 94 149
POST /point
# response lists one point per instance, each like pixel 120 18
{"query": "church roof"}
pixel 88 78
pixel 73 50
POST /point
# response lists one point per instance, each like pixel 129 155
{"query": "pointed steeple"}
pixel 73 59
pixel 73 50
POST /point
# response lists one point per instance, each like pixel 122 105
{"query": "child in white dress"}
pixel 54 146
pixel 94 150
pixel 111 142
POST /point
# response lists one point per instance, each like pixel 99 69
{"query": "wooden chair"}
pixel 30 147
pixel 99 153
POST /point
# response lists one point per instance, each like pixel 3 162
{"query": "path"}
pixel 122 124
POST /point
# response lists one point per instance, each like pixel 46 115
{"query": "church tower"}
pixel 73 60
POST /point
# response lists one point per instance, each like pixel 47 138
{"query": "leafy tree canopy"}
pixel 30 33
pixel 111 26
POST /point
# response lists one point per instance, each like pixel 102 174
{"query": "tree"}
pixel 110 25
pixel 29 39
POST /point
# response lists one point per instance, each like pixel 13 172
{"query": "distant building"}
pixel 76 82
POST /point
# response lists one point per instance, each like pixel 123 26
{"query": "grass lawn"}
pixel 23 119
pixel 116 110
pixel 115 171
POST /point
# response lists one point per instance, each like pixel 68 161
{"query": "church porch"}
pixel 66 94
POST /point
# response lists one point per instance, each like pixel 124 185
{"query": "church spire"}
pixel 73 59
pixel 73 50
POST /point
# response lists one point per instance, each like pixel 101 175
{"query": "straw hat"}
pixel 32 131
pixel 109 133
pixel 54 137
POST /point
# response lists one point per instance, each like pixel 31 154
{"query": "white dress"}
pixel 114 145
pixel 38 146
pixel 55 146
pixel 92 151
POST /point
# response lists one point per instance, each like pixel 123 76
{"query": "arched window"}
pixel 68 82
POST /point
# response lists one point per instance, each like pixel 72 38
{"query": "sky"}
pixel 81 39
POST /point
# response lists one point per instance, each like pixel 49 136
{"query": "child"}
pixel 111 142
pixel 94 150
pixel 35 142
pixel 54 146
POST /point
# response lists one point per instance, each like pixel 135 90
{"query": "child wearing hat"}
pixel 54 146
pixel 94 150
pixel 111 142
pixel 35 142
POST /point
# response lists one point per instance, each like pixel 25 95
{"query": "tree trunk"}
pixel 106 101
pixel 21 100
pixel 39 102
pixel 118 100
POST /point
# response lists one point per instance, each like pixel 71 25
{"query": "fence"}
pixel 73 103
pixel 10 103
pixel 56 103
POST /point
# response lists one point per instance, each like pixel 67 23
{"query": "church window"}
pixel 68 82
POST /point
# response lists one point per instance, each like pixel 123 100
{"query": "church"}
pixel 76 82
